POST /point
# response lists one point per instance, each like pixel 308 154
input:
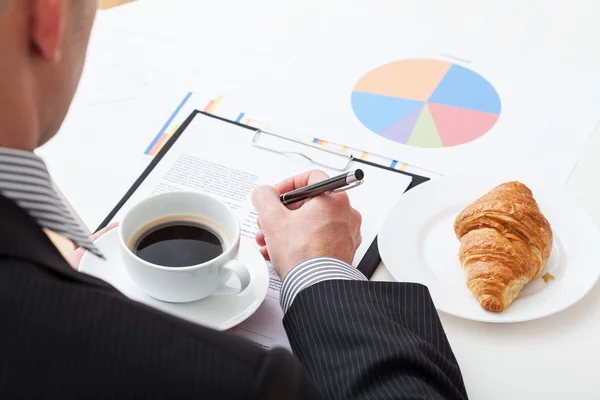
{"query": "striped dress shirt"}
pixel 25 180
pixel 313 271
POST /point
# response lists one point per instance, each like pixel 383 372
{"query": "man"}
pixel 65 334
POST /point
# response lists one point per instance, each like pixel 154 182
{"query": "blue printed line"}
pixel 315 140
pixel 239 118
pixel 394 164
pixel 166 126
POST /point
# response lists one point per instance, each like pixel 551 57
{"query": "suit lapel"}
pixel 22 238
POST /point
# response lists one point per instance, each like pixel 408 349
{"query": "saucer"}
pixel 217 312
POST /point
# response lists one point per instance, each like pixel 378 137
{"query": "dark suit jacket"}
pixel 65 334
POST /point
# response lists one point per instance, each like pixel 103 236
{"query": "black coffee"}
pixel 178 244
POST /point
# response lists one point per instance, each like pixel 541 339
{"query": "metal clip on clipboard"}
pixel 338 160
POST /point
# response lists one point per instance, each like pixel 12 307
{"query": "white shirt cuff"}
pixel 314 271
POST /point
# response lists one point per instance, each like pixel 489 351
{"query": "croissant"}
pixel 505 242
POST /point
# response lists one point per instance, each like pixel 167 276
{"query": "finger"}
pixel 302 180
pixel 267 204
pixel 341 198
pixel 358 217
pixel 74 259
pixel 260 239
pixel 258 223
pixel 297 205
pixel 265 253
pixel 102 231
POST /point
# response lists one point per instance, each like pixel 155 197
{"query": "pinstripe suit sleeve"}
pixel 373 340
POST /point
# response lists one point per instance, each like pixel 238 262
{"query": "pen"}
pixel 339 183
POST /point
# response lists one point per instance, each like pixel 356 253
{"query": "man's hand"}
pixel 324 226
pixel 74 259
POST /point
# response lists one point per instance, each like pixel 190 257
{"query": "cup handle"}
pixel 242 274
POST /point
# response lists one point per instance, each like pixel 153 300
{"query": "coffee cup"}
pixel 159 246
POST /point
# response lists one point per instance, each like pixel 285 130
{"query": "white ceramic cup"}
pixel 185 284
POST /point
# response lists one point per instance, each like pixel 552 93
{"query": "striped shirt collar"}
pixel 25 180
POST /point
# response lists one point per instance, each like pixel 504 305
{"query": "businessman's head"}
pixel 42 51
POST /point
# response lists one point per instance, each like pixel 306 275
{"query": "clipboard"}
pixel 371 259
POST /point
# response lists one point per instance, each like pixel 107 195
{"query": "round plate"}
pixel 418 244
pixel 217 312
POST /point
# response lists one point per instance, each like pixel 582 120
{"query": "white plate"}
pixel 418 244
pixel 217 312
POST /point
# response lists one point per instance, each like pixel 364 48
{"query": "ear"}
pixel 47 26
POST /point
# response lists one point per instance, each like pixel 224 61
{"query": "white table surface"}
pixel 553 358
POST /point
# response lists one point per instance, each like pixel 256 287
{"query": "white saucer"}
pixel 418 244
pixel 217 312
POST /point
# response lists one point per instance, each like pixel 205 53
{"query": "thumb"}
pixel 267 204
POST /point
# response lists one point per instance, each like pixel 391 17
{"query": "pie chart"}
pixel 426 103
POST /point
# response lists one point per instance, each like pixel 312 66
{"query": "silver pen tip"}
pixel 355 176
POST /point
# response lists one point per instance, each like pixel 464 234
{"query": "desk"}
pixel 553 358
